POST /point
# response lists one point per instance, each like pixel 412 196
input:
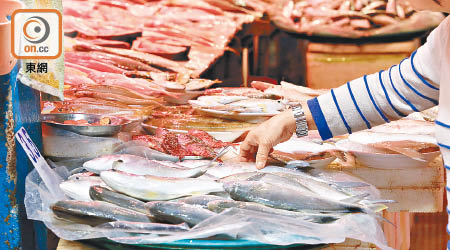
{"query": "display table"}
pixel 415 190
pixel 347 245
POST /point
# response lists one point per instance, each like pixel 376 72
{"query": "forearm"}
pixel 372 100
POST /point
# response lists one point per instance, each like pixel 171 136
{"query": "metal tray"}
pixel 57 120
pixel 201 244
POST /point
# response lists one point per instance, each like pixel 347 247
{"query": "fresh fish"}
pixel 220 205
pixel 231 168
pixel 178 212
pixel 78 188
pixel 200 200
pixel 81 175
pixel 285 182
pixel 106 162
pixel 281 197
pixel 95 212
pixel 156 169
pixel 257 106
pixel 313 184
pixel 145 227
pixel 98 193
pixel 140 166
pixel 147 187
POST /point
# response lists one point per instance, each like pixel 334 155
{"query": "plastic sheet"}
pixel 232 223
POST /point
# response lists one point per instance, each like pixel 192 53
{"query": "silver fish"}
pixel 317 186
pixel 285 182
pixel 178 212
pixel 278 196
pixel 106 162
pixel 230 168
pixel 95 212
pixel 81 175
pixel 147 187
pixel 78 188
pixel 98 193
pixel 156 169
pixel 221 205
pixel 200 200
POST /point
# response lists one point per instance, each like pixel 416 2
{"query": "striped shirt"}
pixel 415 84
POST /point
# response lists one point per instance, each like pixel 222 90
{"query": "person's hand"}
pixel 260 140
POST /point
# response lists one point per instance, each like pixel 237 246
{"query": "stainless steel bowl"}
pixel 57 120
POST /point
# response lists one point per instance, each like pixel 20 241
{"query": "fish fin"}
pixel 349 184
pixel 115 164
pixel 202 172
pixel 355 198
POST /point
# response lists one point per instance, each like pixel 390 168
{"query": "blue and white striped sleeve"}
pixel 410 86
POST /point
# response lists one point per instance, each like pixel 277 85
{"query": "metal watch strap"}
pixel 301 126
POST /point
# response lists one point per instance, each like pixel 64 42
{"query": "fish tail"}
pixel 374 209
pixel 377 207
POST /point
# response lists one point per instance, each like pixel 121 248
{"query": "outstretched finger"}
pixel 261 156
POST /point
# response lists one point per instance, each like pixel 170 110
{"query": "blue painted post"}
pixel 19 106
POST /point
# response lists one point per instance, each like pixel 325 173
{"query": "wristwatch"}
pixel 301 127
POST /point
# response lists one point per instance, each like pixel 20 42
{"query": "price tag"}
pixel 28 145
pixel 48 175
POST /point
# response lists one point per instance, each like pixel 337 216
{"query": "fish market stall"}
pixel 142 152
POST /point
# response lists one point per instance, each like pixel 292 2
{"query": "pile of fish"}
pixel 193 31
pixel 352 18
pixel 194 143
pixel 127 57
pixel 147 196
